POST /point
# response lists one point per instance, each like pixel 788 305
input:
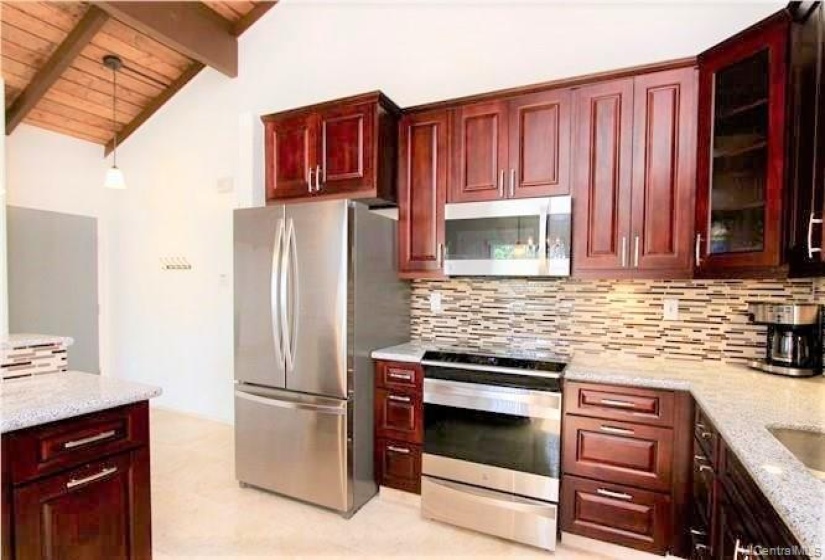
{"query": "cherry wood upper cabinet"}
pixel 346 157
pixel 343 148
pixel 664 167
pixel 539 163
pixel 741 157
pixel 479 161
pixel 807 149
pixel 290 148
pixel 422 192
pixel 633 176
pixel 602 176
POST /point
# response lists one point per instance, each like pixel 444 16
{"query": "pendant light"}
pixel 114 176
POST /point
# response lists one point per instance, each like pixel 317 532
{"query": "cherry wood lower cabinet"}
pixel 399 429
pixel 728 509
pixel 79 489
pixel 626 465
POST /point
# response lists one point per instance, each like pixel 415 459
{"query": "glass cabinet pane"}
pixel 739 163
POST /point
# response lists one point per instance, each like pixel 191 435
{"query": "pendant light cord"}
pixel 114 118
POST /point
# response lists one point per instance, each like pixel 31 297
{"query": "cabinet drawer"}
pixel 398 415
pixel 398 375
pixel 619 514
pixel 398 465
pixel 618 452
pixel 613 402
pixel 43 450
pixel 707 436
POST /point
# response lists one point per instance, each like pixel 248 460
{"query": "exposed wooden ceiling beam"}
pixel 54 67
pixel 155 104
pixel 184 27
pixel 252 16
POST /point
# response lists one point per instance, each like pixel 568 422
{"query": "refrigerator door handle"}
pixel 296 405
pixel 275 289
pixel 292 291
pixel 282 297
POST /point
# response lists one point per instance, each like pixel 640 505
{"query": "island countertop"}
pixel 39 399
pixel 741 403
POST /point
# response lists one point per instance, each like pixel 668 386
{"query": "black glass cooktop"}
pixel 537 362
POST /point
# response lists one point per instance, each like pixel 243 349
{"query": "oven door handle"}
pixel 491 369
pixel 498 400
pixel 513 502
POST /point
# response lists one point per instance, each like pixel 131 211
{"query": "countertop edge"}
pixel 64 411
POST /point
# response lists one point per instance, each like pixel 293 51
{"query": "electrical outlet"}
pixel 670 310
pixel 435 302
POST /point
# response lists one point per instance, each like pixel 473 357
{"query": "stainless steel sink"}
pixel 808 447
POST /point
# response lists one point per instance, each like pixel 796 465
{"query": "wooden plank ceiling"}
pixel 76 96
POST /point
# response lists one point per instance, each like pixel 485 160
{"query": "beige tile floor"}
pixel 199 511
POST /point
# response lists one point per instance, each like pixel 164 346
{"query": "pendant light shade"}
pixel 114 176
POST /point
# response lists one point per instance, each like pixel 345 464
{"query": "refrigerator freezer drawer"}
pixel 293 445
pixel 508 516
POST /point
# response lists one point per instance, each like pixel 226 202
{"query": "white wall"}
pixel 175 329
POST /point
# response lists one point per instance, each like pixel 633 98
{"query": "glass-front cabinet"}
pixel 741 152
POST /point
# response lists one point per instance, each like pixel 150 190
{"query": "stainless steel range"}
pixel 492 448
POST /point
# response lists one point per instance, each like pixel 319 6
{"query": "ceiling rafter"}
pixel 184 27
pixel 54 67
pixel 51 59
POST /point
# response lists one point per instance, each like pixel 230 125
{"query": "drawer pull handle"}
pixel 87 440
pixel 698 533
pixel 616 495
pixel 402 376
pixel 613 430
pixel 746 552
pixel 620 404
pixel 397 398
pixel 401 450
pixel 91 478
pixel 706 435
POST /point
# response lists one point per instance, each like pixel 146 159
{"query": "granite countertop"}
pixel 741 403
pixel 23 340
pixel 31 401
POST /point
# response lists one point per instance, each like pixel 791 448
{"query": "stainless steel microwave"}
pixel 524 237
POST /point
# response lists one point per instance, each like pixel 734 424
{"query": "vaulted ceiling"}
pixel 52 59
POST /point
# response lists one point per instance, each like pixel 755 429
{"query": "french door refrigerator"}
pixel 316 290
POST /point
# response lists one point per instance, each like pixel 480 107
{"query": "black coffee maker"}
pixel 794 345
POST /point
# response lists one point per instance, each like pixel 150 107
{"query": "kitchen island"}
pixel 75 467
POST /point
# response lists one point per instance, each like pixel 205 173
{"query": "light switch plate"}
pixel 435 302
pixel 670 310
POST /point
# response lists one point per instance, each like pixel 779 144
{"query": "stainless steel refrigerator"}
pixel 316 290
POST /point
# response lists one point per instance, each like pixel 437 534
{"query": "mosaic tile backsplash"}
pixel 592 316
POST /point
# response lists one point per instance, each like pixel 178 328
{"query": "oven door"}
pixel 501 438
pixel 527 237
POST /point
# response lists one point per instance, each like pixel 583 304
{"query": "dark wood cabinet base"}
pixel 79 489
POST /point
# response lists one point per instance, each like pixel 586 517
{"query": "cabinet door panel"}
pixel 479 152
pixel 398 465
pixel 290 153
pixel 664 163
pixel 97 511
pixel 398 415
pixel 540 144
pixel 346 152
pixel 602 176
pixel 618 514
pixel 618 452
pixel 741 155
pixel 422 187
